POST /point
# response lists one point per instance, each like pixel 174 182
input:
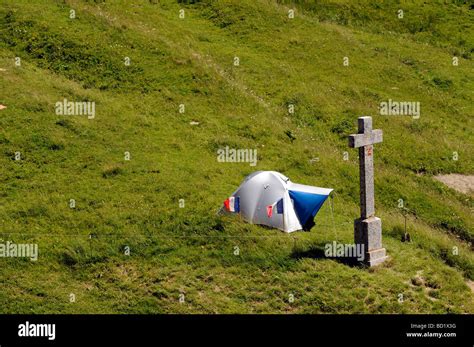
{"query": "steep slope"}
pixel 190 61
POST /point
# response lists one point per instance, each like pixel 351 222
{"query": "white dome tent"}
pixel 270 198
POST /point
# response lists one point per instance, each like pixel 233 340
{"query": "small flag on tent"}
pixel 232 204
pixel 279 208
pixel 269 211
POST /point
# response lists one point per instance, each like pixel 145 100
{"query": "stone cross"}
pixel 367 228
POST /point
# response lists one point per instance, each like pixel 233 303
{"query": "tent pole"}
pixel 332 215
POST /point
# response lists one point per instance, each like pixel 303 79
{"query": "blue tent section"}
pixel 306 205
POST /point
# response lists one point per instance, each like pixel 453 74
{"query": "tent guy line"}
pixel 165 236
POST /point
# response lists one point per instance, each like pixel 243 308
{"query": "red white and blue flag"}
pixel 279 208
pixel 232 204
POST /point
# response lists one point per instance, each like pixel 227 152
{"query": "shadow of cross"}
pixel 368 228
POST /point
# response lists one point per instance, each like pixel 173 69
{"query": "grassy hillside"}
pixel 190 61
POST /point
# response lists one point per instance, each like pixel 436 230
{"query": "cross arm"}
pixel 359 140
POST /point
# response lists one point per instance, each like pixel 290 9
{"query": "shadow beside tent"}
pixel 317 252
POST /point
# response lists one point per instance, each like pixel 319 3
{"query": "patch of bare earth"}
pixel 470 284
pixel 461 183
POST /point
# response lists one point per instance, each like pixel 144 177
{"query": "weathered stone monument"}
pixel 367 228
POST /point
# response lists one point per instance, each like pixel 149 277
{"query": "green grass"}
pixel 189 61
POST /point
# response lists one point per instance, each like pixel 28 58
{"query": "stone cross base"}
pixel 368 232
